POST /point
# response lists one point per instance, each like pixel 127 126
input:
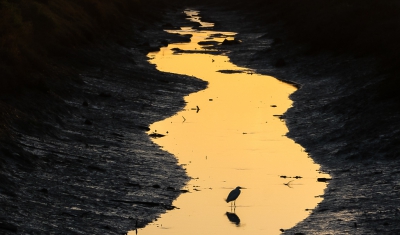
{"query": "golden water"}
pixel 228 135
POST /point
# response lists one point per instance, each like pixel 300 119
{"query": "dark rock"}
pixel 186 38
pixel 323 179
pixel 208 43
pixel 227 42
pixel 85 103
pixel 156 135
pixel 145 128
pixel 169 207
pixel 88 122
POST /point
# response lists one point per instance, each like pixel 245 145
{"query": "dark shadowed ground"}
pixel 339 116
pixel 75 157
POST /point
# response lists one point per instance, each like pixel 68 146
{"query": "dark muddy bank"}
pixel 340 116
pixel 75 158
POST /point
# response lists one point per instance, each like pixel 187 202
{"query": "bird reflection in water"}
pixel 233 218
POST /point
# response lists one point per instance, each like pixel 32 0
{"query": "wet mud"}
pixel 340 119
pixel 77 159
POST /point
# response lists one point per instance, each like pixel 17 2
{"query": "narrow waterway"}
pixel 229 135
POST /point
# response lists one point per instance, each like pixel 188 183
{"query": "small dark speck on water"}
pixel 323 179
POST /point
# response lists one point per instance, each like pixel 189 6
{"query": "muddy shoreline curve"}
pixel 338 116
pixel 76 159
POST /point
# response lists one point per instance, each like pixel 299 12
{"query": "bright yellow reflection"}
pixel 228 136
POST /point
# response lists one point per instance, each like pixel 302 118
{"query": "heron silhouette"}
pixel 233 195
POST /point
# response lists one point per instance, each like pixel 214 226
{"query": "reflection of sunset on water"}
pixel 231 135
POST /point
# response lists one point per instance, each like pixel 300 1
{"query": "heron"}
pixel 233 195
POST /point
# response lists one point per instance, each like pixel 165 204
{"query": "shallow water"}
pixel 229 135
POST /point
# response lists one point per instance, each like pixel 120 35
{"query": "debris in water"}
pixel 288 183
pixel 323 179
pixel 156 135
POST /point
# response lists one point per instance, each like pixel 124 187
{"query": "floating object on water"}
pixel 323 179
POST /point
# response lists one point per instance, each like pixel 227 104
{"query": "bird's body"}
pixel 233 195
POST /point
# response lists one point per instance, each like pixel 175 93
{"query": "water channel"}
pixel 229 135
